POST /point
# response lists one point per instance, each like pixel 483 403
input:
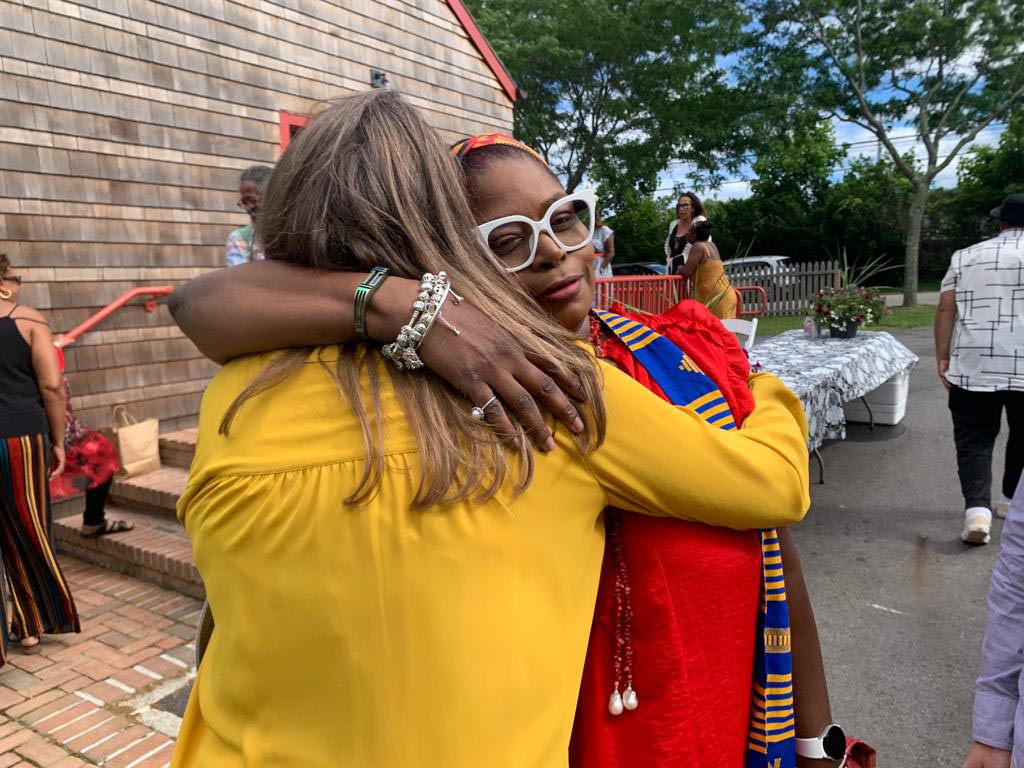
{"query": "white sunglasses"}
pixel 512 240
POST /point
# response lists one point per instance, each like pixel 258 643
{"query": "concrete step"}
pixel 178 448
pixel 156 492
pixel 156 550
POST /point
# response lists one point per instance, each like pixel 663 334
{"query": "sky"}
pixel 862 142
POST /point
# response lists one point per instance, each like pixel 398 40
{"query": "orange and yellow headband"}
pixel 463 147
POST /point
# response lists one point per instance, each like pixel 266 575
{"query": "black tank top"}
pixel 21 403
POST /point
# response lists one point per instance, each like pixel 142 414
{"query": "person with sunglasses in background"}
pixel 31 453
pixel 242 246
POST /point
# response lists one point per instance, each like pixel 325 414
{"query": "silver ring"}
pixel 479 412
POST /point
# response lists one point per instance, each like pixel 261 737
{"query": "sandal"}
pixel 108 528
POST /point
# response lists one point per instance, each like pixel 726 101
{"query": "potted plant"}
pixel 844 309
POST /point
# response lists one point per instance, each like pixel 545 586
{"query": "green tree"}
pixel 640 223
pixel 616 89
pixel 958 217
pixel 793 169
pixel 864 212
pixel 949 69
pixel 987 174
pixel 793 176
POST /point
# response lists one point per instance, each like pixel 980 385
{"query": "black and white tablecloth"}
pixel 825 373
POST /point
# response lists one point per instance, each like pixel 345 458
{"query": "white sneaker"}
pixel 1002 508
pixel 977 524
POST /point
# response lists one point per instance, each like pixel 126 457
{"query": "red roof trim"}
pixel 484 47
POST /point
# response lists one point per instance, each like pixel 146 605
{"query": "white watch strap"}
pixel 814 748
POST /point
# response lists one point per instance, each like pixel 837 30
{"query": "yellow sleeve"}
pixel 661 459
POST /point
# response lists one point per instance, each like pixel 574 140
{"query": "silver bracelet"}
pixel 434 291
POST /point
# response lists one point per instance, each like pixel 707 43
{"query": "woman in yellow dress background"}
pixel 703 268
pixel 394 583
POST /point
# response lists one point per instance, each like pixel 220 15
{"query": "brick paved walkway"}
pixel 93 698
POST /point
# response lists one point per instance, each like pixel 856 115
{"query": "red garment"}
pixel 91 459
pixel 695 592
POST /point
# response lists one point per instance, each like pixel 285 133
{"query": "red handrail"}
pixel 151 291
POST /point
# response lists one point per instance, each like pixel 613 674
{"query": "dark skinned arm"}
pixel 945 319
pixel 698 253
pixel 269 305
pixel 51 383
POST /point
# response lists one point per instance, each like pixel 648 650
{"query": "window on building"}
pixel 291 124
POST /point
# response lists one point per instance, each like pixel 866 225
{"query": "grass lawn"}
pixel 927 285
pixel 914 317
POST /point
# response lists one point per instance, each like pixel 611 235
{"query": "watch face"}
pixel 834 742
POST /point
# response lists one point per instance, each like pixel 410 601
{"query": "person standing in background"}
pixel 241 246
pixel 688 208
pixel 702 267
pixel 89 468
pixel 604 248
pixel 980 362
pixel 31 452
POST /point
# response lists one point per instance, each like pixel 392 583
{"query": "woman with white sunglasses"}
pixel 542 236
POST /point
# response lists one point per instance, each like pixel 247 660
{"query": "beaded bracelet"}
pixel 364 293
pixel 434 289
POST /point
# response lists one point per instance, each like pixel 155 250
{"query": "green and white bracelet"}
pixel 364 293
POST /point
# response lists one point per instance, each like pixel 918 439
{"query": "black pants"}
pixel 95 502
pixel 976 420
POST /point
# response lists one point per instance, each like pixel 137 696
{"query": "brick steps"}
pixel 156 492
pixel 157 550
pixel 178 448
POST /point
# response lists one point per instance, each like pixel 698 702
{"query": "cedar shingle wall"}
pixel 124 125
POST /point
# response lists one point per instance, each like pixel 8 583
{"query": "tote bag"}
pixel 138 443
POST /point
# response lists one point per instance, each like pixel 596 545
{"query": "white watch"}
pixel 830 744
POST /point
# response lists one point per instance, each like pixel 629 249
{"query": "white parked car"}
pixel 756 262
pixel 759 265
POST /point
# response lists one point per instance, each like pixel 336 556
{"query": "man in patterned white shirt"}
pixel 981 362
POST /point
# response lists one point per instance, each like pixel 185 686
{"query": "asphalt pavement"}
pixel 900 601
pixel 925 297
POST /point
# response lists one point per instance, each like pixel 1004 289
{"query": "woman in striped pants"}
pixel 31 450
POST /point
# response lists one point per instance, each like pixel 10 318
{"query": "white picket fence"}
pixel 790 286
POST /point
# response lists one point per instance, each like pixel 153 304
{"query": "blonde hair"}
pixel 368 183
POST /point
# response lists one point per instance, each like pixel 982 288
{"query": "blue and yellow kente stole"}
pixel 772 741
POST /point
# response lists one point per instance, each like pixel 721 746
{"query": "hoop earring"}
pixel 6 293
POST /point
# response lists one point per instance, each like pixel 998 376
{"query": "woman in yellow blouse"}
pixel 379 600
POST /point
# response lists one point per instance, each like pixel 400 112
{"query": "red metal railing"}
pixel 656 293
pixel 152 291
pixel 751 300
pixel 653 293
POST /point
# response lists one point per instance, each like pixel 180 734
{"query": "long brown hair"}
pixel 367 182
